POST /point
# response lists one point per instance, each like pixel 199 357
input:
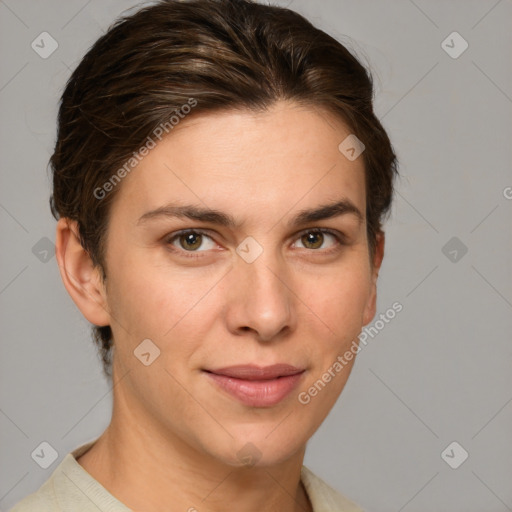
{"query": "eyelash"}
pixel 339 237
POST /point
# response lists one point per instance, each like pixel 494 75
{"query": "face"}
pixel 222 251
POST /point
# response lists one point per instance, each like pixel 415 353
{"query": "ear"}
pixel 371 305
pixel 81 279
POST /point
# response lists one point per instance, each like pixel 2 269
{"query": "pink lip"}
pixel 255 386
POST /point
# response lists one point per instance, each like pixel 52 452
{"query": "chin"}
pixel 261 448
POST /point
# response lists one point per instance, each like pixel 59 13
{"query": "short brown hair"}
pixel 223 54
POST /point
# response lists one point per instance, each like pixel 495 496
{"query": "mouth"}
pixel 256 386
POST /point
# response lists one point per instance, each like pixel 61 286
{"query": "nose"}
pixel 261 299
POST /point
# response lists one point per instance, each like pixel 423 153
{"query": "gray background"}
pixel 439 372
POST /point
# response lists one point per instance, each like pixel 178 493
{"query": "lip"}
pixel 257 386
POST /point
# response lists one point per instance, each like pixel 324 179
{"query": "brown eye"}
pixel 191 241
pixel 313 239
pixel 323 239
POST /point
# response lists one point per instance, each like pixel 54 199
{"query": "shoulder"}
pixel 70 487
pixel 43 500
pixel 323 497
pixel 56 492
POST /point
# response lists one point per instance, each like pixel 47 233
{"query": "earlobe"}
pixel 371 305
pixel 81 279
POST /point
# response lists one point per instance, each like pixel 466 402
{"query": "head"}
pixel 225 118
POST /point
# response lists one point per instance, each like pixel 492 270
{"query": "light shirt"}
pixel 71 488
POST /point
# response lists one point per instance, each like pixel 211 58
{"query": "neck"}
pixel 155 471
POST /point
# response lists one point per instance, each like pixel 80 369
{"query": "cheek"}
pixel 339 297
pixel 338 303
pixel 173 309
pixel 149 296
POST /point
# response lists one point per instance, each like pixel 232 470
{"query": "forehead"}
pixel 246 161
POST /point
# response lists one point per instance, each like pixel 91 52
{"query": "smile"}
pixel 257 387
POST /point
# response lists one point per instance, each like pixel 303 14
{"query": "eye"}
pixel 191 241
pixel 315 239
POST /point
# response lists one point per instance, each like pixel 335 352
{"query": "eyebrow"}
pixel 323 212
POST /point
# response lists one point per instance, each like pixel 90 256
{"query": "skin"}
pixel 173 440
